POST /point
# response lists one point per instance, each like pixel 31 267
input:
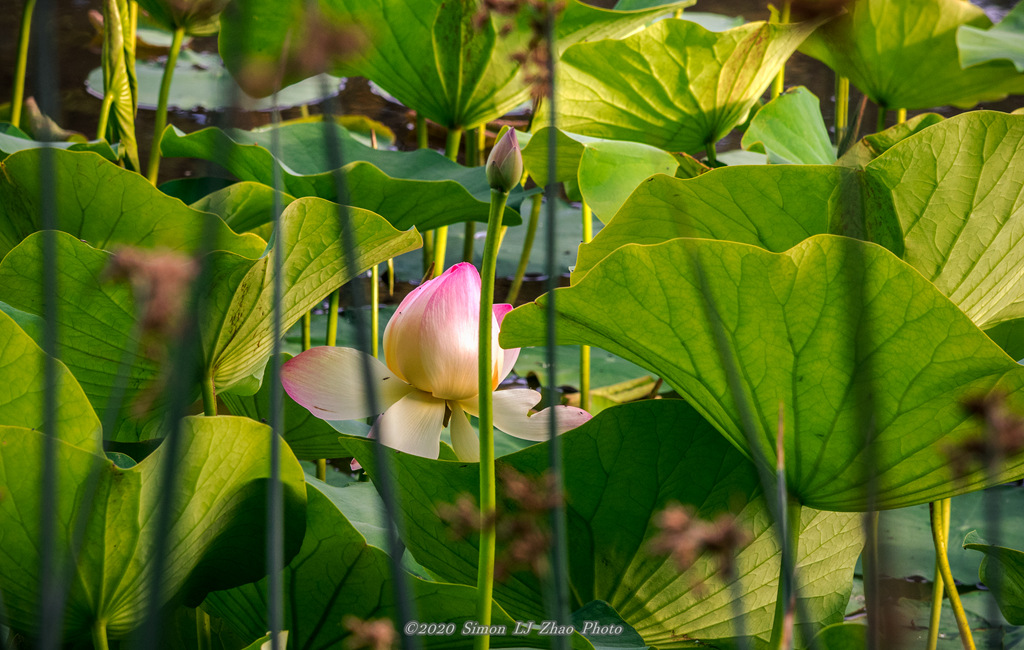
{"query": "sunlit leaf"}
pixel 1002 571
pixel 674 85
pixel 217 516
pixel 106 206
pixel 808 331
pixel 903 54
pixel 657 452
pixel 790 129
pixel 1003 41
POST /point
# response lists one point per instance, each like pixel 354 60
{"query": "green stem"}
pixel 488 495
pixel 588 235
pixel 783 627
pixel 780 79
pixel 422 135
pixel 678 14
pixel 209 396
pixel 307 342
pixel 451 150
pixel 22 65
pixel 99 635
pixel 468 241
pixel 712 155
pixel 332 318
pixel 474 151
pixel 524 257
pixel 101 126
pixel 901 115
pixel 842 108
pixel 321 469
pixel 391 276
pixel 880 123
pixel 374 308
pixel 204 639
pixel 939 524
pixel 161 107
pixel 937 582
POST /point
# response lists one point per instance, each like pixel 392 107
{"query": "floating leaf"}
pixel 785 329
pixel 675 85
pixel 1003 41
pixel 903 54
pixel 107 206
pixel 790 129
pixel 418 188
pixel 339 572
pixel 217 516
pixel 658 452
pixel 1002 571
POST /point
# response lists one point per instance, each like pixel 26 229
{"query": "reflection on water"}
pixel 78 53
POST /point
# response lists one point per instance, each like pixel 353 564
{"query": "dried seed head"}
pixel 160 281
pixel 375 634
pixel 1003 435
pixel 685 538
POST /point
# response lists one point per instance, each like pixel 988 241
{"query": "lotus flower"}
pixel 430 346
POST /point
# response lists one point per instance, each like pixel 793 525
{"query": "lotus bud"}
pixel 505 164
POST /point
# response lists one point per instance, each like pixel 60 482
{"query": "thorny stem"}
pixel 588 235
pixel 161 107
pixel 451 150
pixel 524 258
pixel 488 495
pixel 937 583
pixel 19 71
pixel 942 559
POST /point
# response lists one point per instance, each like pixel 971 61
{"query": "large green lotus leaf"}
pixel 773 207
pixel 872 146
pixel 1009 334
pixel 808 331
pixel 13 139
pixel 1002 571
pixel 962 210
pixel 790 129
pixel 418 188
pixel 675 85
pixel 622 467
pixel 1004 41
pixel 107 206
pixel 903 54
pixel 218 516
pixel 428 54
pixel 246 206
pixel 97 321
pixel 339 572
pixel 610 171
pixel 22 399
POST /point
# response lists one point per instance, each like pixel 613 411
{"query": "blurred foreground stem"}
pixel 161 108
pixel 588 235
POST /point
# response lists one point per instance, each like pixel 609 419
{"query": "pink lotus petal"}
pixel 413 424
pixel 328 381
pixel 512 414
pixel 509 357
pixel 464 438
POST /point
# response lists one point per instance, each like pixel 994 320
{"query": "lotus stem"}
pixel 99 635
pixel 321 469
pixel 901 115
pixel 880 123
pixel 488 494
pixel 712 155
pixel 939 524
pixel 374 309
pixel 451 150
pixel 524 257
pixel 474 151
pixel 332 318
pixel 307 342
pixel 780 79
pixel 678 14
pixel 391 276
pixel 209 396
pixel 161 107
pixel 783 625
pixel 422 142
pixel 937 582
pixel 422 135
pixel 842 119
pixel 204 639
pixel 588 235
pixel 22 65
